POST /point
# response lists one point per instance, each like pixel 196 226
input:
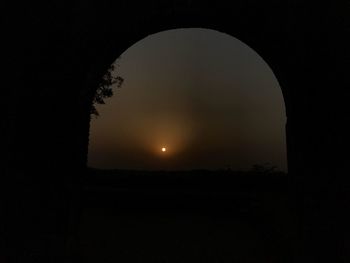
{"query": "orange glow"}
pixel 163 149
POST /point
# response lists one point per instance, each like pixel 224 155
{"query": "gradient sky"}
pixel 207 97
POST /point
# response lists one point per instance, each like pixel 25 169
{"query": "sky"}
pixel 206 97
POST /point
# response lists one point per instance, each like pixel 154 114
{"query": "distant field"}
pixel 205 180
pixel 184 188
pixel 189 216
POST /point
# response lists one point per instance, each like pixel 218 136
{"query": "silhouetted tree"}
pixel 105 89
pixel 265 168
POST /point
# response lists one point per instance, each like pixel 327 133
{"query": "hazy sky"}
pixel 205 96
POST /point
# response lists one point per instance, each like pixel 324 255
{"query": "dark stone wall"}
pixel 55 54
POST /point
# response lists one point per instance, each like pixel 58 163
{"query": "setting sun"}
pixel 163 149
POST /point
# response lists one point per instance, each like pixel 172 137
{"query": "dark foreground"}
pixel 197 216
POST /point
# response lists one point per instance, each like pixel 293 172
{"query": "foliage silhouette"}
pixel 266 168
pixel 105 89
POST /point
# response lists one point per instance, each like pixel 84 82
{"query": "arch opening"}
pixel 193 98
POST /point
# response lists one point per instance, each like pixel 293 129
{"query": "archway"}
pixel 169 109
pixel 303 45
